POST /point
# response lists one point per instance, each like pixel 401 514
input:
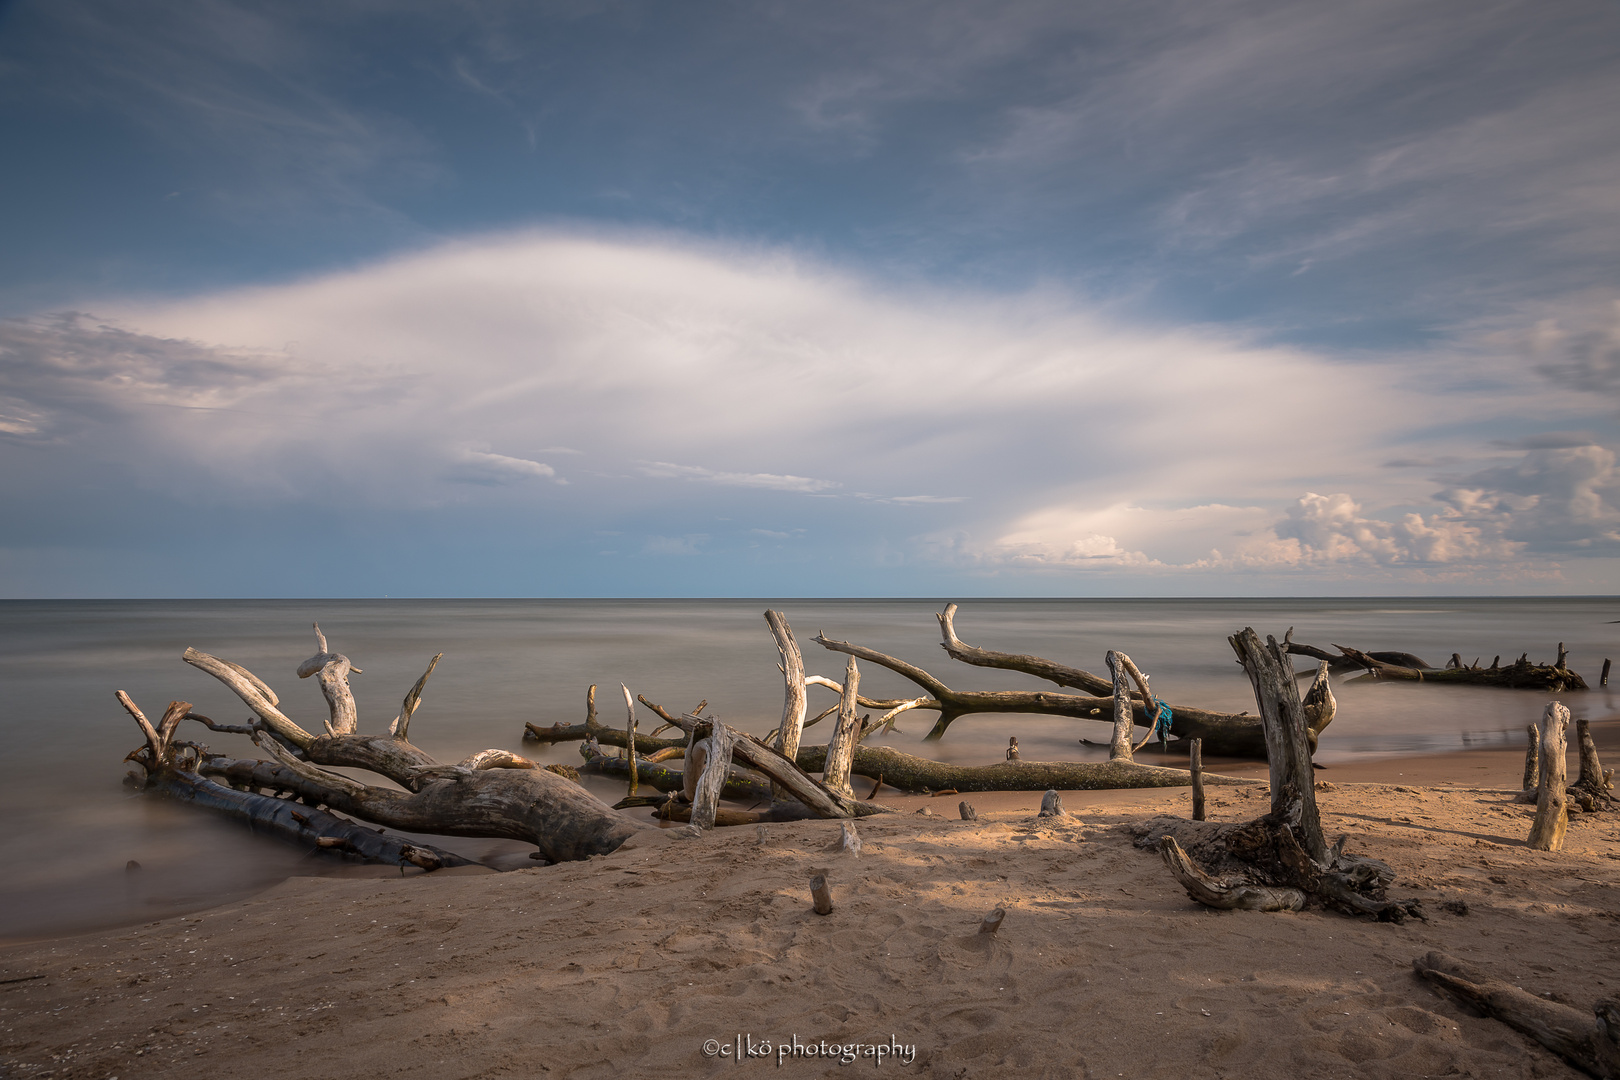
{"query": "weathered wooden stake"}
pixel 1012 748
pixel 848 842
pixel 821 894
pixel 630 737
pixel 1552 798
pixel 1532 758
pixel 1603 680
pixel 992 921
pixel 1051 804
pixel 966 810
pixel 1196 766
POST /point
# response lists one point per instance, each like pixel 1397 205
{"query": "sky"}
pixel 945 299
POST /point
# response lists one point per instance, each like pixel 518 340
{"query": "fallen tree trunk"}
pixel 1225 734
pixel 910 773
pixel 491 794
pixel 1590 1041
pixel 1228 734
pixel 1284 850
pixel 1519 675
pixel 738 786
pixel 296 823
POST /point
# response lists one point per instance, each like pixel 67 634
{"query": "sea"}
pixel 85 851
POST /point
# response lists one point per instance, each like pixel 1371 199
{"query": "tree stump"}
pixel 1552 796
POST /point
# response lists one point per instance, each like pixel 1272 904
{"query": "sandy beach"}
pixel 668 957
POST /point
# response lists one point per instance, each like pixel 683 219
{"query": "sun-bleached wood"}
pixel 400 728
pixel 333 670
pixel 791 726
pixel 1552 795
pixel 1051 805
pixel 841 746
pixel 848 842
pixel 717 762
pixel 630 736
pixel 535 805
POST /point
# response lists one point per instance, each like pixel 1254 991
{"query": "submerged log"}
pixel 1590 1041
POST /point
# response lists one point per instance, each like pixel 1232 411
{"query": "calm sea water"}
pixel 72 827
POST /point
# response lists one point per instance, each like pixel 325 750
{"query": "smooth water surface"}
pixel 73 827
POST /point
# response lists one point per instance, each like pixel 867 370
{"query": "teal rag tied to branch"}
pixel 1161 725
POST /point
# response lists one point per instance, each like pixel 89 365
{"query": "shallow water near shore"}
pixel 72 827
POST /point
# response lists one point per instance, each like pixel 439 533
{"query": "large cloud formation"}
pixel 616 400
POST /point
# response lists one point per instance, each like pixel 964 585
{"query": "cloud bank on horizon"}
pixel 944 298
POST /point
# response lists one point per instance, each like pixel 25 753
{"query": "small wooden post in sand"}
pixel 1532 758
pixel 1051 804
pixel 1552 797
pixel 965 808
pixel 1196 767
pixel 992 921
pixel 1603 680
pixel 821 894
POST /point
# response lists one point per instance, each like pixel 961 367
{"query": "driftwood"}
pixel 1519 675
pixel 739 786
pixel 1283 860
pixel 710 760
pixel 1590 1041
pixel 493 794
pixel 992 922
pixel 1592 789
pixel 841 745
pixel 1051 805
pixel 1223 733
pixel 821 895
pixel 1195 760
pixel 911 773
pixel 174 768
pixel 1552 795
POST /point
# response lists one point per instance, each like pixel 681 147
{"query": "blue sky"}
pixel 1214 298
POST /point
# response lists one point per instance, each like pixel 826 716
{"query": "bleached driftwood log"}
pixel 495 794
pixel 1552 795
pixel 188 773
pixel 1590 1041
pixel 1593 788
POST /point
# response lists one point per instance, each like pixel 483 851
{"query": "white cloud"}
pixel 768 481
pixel 479 467
pixel 1068 441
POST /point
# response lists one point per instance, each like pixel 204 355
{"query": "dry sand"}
pixel 624 966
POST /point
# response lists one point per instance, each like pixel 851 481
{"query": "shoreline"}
pixel 629 963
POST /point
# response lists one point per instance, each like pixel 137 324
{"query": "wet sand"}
pixel 627 965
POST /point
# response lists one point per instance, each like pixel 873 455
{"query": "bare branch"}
pixel 400 728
